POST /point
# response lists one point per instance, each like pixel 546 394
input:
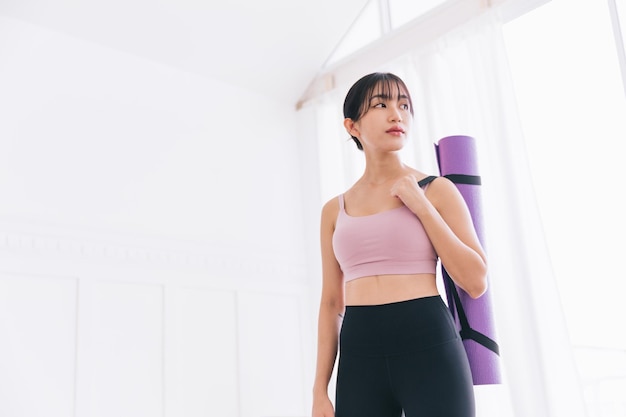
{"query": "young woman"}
pixel 380 308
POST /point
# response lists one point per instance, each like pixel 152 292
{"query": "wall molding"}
pixel 244 264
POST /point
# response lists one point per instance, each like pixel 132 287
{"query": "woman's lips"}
pixel 395 131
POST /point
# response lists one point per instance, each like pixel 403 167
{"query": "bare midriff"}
pixel 385 289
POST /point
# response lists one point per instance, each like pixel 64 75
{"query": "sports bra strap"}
pixel 341 201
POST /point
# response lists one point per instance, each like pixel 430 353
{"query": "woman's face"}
pixel 386 121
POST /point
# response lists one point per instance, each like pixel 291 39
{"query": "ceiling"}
pixel 273 47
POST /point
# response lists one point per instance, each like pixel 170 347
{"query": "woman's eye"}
pixel 404 106
pixel 380 105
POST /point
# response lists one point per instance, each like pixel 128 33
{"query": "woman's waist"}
pixel 397 327
pixel 384 289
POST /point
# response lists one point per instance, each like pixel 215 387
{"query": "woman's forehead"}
pixel 388 89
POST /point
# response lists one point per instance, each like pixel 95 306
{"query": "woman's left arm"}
pixel 448 223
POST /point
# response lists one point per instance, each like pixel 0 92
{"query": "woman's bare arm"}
pixel 330 313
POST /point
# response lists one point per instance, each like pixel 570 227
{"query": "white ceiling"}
pixel 274 47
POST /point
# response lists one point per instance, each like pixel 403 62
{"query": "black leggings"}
pixel 405 356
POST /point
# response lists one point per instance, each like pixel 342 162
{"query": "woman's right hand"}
pixel 322 407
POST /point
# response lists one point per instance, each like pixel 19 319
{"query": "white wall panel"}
pixel 95 138
pixel 201 353
pixel 271 355
pixel 120 350
pixel 130 156
pixel 37 345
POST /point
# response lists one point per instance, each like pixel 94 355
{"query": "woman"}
pixel 380 306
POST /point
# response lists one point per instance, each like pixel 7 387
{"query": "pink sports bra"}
pixel 386 243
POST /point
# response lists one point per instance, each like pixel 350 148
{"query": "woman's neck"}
pixel 380 170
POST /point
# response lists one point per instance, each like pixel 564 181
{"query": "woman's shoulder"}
pixel 423 178
pixel 330 213
pixel 442 191
pixel 419 175
pixel 355 190
pixel 331 207
pixel 441 183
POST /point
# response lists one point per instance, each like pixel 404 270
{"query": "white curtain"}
pixel 460 85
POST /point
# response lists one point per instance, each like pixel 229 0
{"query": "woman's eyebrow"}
pixel 387 97
pixel 382 96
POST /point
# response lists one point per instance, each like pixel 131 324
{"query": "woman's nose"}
pixel 396 115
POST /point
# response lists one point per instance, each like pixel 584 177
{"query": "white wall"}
pixel 153 238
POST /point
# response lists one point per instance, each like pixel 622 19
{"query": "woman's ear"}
pixel 351 128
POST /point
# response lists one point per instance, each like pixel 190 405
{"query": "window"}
pixel 377 18
pixel 403 11
pixel 617 9
pixel 568 64
pixel 364 30
pixel 572 105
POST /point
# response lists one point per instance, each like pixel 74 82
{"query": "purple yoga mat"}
pixel 457 158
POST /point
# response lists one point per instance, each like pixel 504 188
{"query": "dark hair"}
pixel 360 94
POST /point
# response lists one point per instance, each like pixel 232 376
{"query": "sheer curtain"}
pixel 460 85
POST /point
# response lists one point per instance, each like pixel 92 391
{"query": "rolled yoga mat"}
pixel 457 159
